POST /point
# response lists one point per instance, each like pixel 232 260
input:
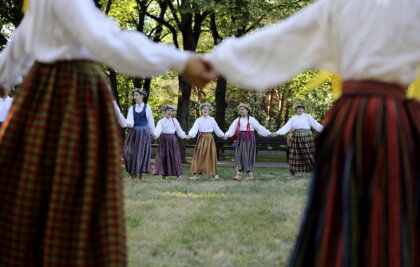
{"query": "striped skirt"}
pixel 205 155
pixel 61 201
pixel 138 150
pixel 364 200
pixel 245 152
pixel 301 151
pixel 168 157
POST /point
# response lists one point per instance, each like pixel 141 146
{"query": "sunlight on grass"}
pixel 214 223
pixel 191 195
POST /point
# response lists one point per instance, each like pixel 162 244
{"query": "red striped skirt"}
pixel 364 201
pixel 61 201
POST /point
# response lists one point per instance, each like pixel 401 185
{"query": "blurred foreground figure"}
pixel 364 200
pixel 61 201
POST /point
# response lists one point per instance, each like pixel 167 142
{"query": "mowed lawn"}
pixel 214 223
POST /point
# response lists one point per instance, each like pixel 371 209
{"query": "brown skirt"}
pixel 61 201
pixel 205 156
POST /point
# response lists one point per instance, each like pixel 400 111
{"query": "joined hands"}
pixel 199 72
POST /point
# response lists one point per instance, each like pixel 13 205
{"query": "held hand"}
pixel 224 137
pixel 274 134
pixel 198 71
pixel 129 126
pixel 154 137
pixel 188 137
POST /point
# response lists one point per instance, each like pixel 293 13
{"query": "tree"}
pixel 10 15
pixel 186 17
pixel 237 18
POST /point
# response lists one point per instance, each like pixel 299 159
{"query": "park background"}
pixel 207 223
pixel 199 25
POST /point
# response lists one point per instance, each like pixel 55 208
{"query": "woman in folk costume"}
pixel 364 200
pixel 302 145
pixel 138 144
pixel 61 201
pixel 168 157
pixel 242 131
pixel 204 159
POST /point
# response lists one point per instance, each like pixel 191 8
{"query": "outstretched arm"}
pixel 130 52
pixel 121 120
pixel 314 124
pixel 14 62
pixel 286 128
pixel 217 129
pixel 259 128
pixel 232 129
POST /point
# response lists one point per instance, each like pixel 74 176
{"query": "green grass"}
pixel 214 223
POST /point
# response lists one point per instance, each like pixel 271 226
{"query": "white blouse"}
pixel 254 125
pixel 54 30
pixel 120 118
pixel 304 121
pixel 358 39
pixel 169 126
pixel 149 116
pixel 5 104
pixel 205 125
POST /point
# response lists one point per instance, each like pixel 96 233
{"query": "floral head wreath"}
pixel 142 92
pixel 245 106
pixel 300 105
pixel 164 108
pixel 206 104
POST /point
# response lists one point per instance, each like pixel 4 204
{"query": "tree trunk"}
pixel 146 86
pixel 183 111
pixel 138 83
pixel 190 41
pixel 114 84
pixel 286 114
pixel 221 103
pixel 270 104
pixel 281 107
pixel 97 3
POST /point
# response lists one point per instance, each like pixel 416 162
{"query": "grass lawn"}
pixel 214 223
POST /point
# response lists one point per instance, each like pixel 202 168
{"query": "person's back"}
pixel 375 39
pixel 61 200
pixel 358 39
pixel 364 195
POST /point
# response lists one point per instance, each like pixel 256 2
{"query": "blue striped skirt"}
pixel 245 152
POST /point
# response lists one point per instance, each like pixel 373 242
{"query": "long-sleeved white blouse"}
pixel 303 121
pixel 54 30
pixel 169 126
pixel 253 123
pixel 358 39
pixel 205 125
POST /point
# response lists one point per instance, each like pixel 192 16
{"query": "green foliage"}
pixel 232 18
pixel 317 101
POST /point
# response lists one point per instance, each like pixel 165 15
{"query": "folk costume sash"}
pixel 25 5
pixel 238 129
pixel 413 91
